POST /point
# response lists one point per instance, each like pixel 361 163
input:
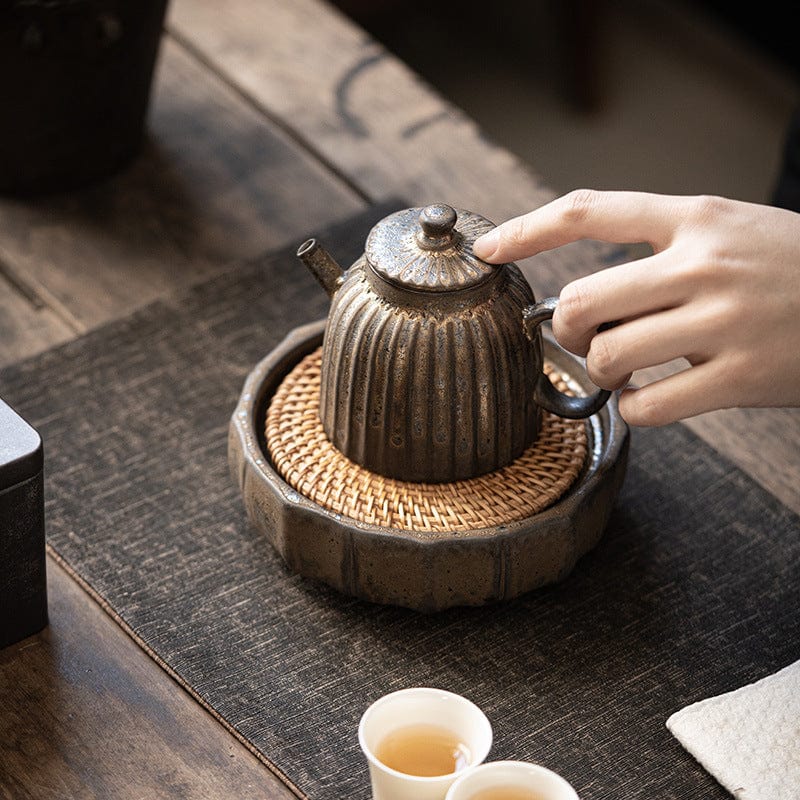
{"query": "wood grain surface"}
pixel 369 116
pixel 216 183
pixel 27 324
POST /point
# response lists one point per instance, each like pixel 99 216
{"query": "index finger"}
pixel 621 217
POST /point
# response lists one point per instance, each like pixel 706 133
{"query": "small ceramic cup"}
pixel 408 709
pixel 519 778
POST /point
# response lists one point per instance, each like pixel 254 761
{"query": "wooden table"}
pixel 267 123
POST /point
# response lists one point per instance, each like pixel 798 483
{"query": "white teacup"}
pixel 396 716
pixel 520 779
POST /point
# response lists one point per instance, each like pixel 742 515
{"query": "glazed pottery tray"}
pixel 421 569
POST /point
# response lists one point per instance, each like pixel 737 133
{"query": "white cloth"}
pixel 748 739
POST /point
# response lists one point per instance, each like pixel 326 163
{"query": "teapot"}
pixel 432 364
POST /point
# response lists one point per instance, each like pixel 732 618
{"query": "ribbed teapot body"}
pixel 430 387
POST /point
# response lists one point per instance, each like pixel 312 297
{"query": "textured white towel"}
pixel 748 739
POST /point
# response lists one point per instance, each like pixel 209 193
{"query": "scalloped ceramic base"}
pixel 421 570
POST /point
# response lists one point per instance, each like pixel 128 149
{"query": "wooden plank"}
pixel 216 183
pixel 366 113
pixel 27 325
pixel 86 714
pixel 373 119
pixel 364 110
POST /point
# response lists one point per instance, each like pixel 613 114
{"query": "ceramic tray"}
pixel 415 569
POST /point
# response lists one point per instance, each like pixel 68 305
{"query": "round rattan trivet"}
pixel 307 461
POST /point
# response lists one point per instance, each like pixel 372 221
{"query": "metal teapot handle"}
pixel 545 394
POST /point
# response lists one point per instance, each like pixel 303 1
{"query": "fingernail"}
pixel 486 245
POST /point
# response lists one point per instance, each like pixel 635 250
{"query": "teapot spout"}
pixel 322 265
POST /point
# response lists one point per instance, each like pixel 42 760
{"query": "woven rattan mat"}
pixel 305 458
pixel 693 590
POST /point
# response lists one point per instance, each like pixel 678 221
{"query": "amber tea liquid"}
pixel 423 750
pixel 507 793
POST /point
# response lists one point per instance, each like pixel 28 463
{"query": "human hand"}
pixel 722 290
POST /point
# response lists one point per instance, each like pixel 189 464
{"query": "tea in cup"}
pixel 511 780
pixel 418 741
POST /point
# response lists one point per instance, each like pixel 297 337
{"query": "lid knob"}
pixel 437 223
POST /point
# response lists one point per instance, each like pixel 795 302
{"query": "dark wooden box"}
pixel 23 586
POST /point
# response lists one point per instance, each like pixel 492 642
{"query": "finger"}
pixel 583 214
pixel 685 394
pixel 643 342
pixel 617 293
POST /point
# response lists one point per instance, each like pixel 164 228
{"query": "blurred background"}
pixel 662 96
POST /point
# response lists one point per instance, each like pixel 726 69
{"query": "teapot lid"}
pixel 429 249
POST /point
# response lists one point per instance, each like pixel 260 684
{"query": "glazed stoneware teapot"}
pixel 432 359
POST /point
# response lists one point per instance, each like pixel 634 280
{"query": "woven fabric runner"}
pixel 694 590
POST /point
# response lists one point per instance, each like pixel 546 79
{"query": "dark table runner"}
pixel 692 592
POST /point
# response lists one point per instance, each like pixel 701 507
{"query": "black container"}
pixel 23 585
pixel 75 80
